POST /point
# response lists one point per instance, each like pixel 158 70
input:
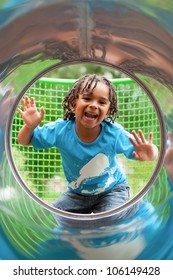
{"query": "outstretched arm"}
pixel 145 150
pixel 31 118
pixel 168 159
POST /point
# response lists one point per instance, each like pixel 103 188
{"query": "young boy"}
pixel 88 140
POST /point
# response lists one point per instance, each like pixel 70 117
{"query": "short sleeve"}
pixel 46 136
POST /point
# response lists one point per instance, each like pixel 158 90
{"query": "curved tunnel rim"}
pixel 75 216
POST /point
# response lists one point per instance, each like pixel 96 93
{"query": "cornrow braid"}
pixel 88 83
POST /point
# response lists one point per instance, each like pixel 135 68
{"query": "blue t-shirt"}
pixel 90 168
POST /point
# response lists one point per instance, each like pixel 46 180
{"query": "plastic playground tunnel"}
pixel 42 170
pixel 134 37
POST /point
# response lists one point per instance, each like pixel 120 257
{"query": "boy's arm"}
pixel 25 135
pixel 31 118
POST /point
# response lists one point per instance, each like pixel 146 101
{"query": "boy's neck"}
pixel 88 135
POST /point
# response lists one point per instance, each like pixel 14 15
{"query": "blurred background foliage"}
pixel 76 70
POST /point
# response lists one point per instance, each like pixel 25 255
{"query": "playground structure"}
pixel 135 38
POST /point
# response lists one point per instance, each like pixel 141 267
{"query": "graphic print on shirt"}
pixel 97 166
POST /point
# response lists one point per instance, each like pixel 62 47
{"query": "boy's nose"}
pixel 93 105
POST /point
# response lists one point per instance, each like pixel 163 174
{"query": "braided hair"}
pixel 88 83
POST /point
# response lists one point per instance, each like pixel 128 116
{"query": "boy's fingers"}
pixel 133 142
pixel 20 111
pixel 150 138
pixel 27 102
pixel 136 137
pixel 32 102
pixel 23 104
pixel 42 112
pixel 135 155
pixel 142 136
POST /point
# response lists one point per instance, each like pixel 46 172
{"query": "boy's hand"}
pixel 30 114
pixel 145 150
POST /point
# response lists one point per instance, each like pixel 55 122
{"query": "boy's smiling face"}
pixel 92 108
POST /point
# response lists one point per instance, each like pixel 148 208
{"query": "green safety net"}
pixel 42 170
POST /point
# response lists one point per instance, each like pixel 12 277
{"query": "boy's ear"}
pixel 72 105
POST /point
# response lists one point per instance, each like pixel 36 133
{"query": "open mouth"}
pixel 90 115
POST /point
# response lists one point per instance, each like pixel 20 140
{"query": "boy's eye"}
pixel 103 102
pixel 86 98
